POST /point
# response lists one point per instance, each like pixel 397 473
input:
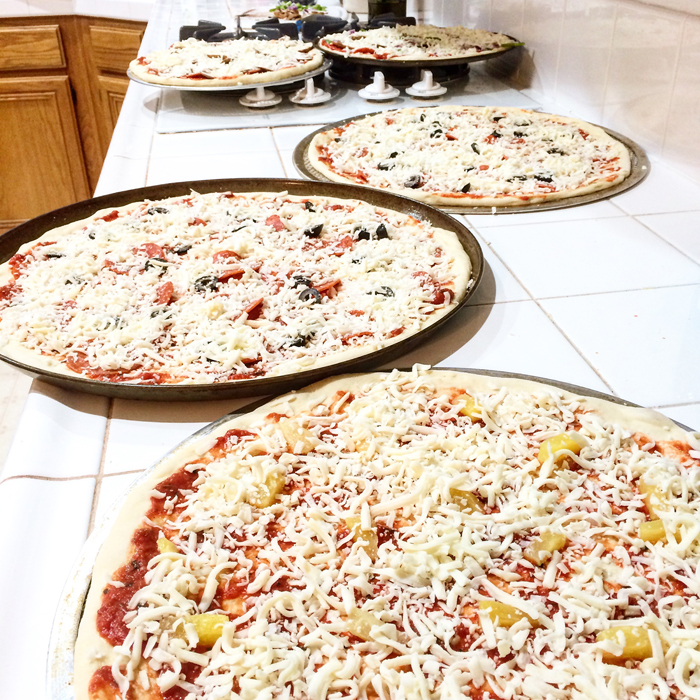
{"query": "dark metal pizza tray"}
pixel 639 169
pixel 11 241
pixel 288 83
pixel 359 70
pixel 64 632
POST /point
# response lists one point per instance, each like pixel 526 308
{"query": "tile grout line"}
pixel 128 471
pixel 665 240
pixel 101 468
pixel 39 477
pixel 619 291
pixel 539 306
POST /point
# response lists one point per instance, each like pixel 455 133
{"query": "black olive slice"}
pixel 310 293
pixel 157 210
pixel 519 134
pixel 55 255
pixel 91 236
pixel 436 133
pixel 384 166
pixel 475 148
pixel 313 231
pixel 422 117
pixel 182 249
pixel 206 283
pixel 498 119
pixel 558 151
pixel 301 281
pixel 393 154
pixel 381 232
pixel 543 178
pixel 384 292
pixel 308 206
pixel 496 135
pixel 467 187
pixel 471 167
pixel 413 182
pixel 362 234
pixel 522 178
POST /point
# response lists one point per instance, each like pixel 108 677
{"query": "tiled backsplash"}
pixel 633 66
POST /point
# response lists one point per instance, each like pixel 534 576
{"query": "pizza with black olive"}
pixel 423 535
pixel 472 156
pixel 194 62
pixel 423 42
pixel 219 287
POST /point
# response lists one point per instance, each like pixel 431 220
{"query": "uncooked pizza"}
pixel 194 62
pixel 425 535
pixel 415 43
pixel 472 156
pixel 222 287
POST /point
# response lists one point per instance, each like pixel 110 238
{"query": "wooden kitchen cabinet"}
pixel 62 84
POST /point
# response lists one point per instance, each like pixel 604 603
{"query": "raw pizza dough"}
pixel 194 62
pixel 209 288
pixel 419 43
pixel 423 534
pixel 472 156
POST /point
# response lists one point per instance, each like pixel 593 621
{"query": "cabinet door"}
pixel 112 93
pixel 41 159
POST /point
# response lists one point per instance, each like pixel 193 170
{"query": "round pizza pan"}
pixel 639 169
pixel 238 88
pixel 29 231
pixel 64 632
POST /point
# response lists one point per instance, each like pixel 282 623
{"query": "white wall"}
pixel 631 65
pixel 138 10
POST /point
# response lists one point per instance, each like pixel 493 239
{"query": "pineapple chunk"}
pixel 471 408
pixel 208 626
pixel 635 642
pixel 268 491
pixel 234 606
pixel 360 623
pixel 299 440
pixel 166 546
pixel 652 531
pixel 557 443
pixel 366 538
pixel 540 550
pixel 466 501
pixel 654 499
pixel 504 615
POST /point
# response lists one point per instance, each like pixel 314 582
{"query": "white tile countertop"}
pixel 605 295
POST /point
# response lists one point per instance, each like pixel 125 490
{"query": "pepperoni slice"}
pixel 275 222
pixel 197 222
pixel 326 286
pixel 109 217
pixel 232 274
pixel 254 309
pixel 8 291
pixel 164 293
pixel 150 250
pixel 225 255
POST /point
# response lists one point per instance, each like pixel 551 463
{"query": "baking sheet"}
pixel 182 111
pixel 261 386
pixel 64 632
pixel 639 169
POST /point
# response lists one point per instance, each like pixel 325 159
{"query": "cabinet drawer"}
pixel 25 48
pixel 115 47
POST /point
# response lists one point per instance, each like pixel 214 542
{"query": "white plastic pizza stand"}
pixel 605 296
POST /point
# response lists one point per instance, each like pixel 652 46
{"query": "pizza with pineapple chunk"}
pixel 420 535
pixel 472 156
pixel 225 286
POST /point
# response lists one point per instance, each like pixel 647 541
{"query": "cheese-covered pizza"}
pixel 194 62
pixel 472 156
pixel 415 43
pixel 225 286
pixel 427 535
